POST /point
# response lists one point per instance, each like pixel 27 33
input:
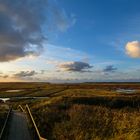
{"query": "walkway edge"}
pixel 5 123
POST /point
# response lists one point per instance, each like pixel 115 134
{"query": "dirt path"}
pixel 18 129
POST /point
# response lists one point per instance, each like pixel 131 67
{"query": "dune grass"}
pixel 65 119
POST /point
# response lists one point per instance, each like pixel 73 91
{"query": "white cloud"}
pixel 54 52
pixel 133 49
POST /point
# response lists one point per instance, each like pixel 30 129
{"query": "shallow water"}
pixel 4 99
pixel 7 99
pixel 126 91
pixel 15 90
pixel 26 97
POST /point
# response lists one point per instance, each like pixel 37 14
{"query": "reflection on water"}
pixel 126 91
pixel 4 99
pixel 15 90
pixel 16 98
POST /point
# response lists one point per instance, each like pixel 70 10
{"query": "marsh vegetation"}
pixel 82 111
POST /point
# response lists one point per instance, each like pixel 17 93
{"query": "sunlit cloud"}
pixel 133 49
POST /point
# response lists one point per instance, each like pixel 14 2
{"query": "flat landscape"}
pixel 86 111
pixel 69 69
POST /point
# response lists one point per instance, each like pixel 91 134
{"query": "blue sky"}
pixel 70 40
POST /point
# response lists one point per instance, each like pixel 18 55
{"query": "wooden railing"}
pixel 5 124
pixel 21 108
pixel 28 111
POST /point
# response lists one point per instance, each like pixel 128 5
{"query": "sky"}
pixel 69 40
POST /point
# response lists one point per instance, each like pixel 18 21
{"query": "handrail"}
pixel 5 123
pixel 34 124
pixel 21 108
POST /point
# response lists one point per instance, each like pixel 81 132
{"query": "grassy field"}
pixel 29 89
pixel 66 119
pixel 89 111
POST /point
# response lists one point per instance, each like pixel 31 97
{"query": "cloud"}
pixel 133 49
pixel 75 66
pixel 21 26
pixel 109 68
pixel 4 76
pixel 42 71
pixel 23 74
pixel 53 55
pixel 62 19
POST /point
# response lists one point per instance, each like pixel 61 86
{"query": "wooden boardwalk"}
pixel 18 127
